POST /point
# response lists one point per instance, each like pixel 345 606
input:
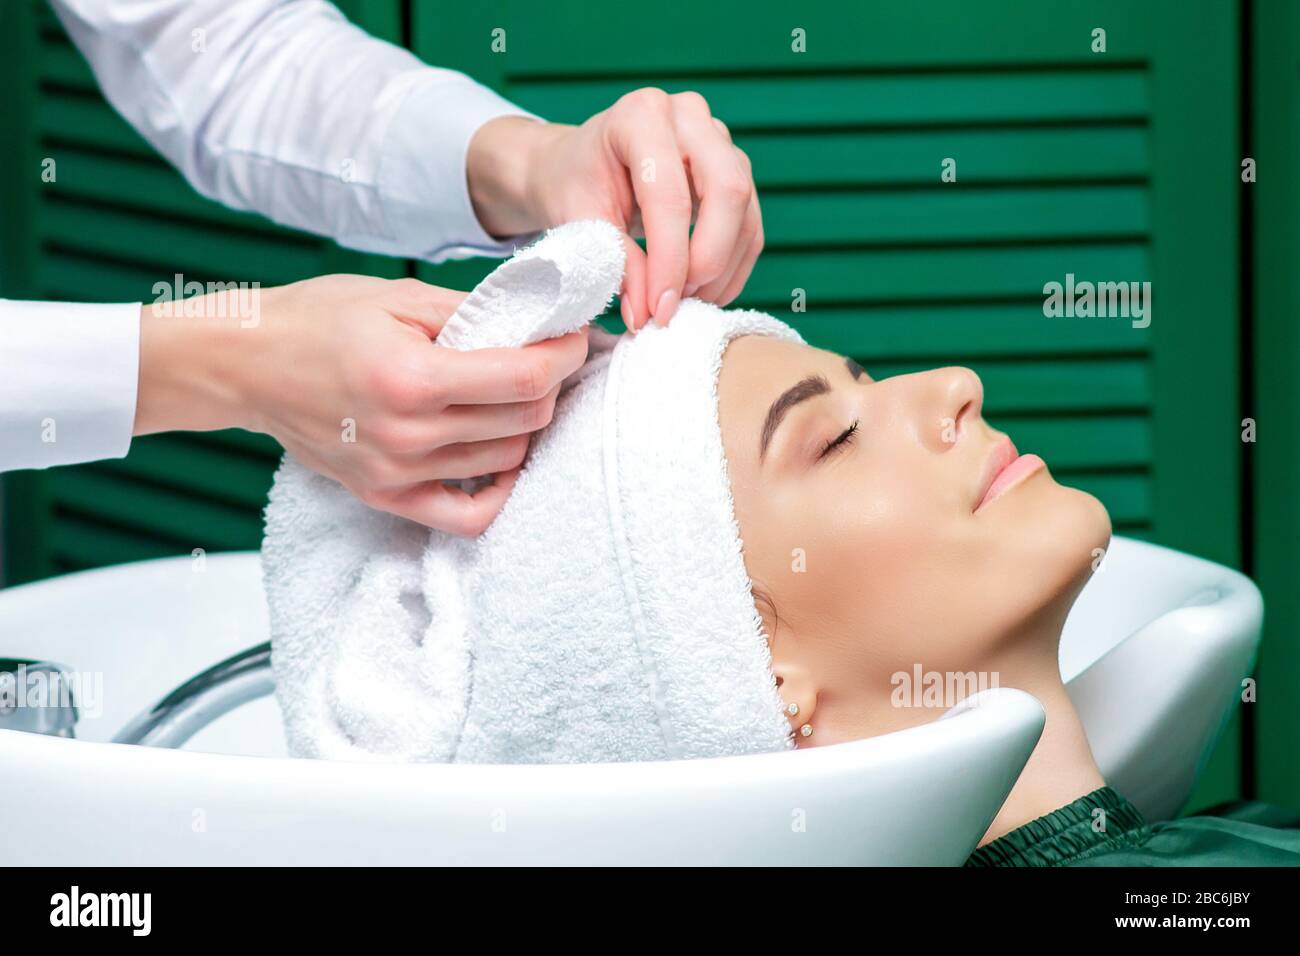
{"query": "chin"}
pixel 1083 527
pixel 1063 532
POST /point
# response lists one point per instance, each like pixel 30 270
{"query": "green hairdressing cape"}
pixel 1104 829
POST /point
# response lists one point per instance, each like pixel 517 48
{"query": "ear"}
pixel 798 693
pixel 794 684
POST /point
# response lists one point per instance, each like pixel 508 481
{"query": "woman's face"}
pixel 889 525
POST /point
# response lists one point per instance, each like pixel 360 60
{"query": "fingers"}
pixel 472 459
pixel 471 423
pixel 392 473
pixel 644 138
pixel 398 476
pixel 399 449
pixel 451 509
pixel 633 296
pixel 721 177
pixel 494 376
pixel 391 416
pixel 427 307
pixel 726 287
pixel 674 149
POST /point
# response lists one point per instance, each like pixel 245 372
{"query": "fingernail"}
pixel 667 308
pixel 626 309
pixel 690 290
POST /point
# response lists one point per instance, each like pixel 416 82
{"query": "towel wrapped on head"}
pixel 606 613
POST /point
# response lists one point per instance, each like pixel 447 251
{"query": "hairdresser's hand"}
pixel 341 370
pixel 647 163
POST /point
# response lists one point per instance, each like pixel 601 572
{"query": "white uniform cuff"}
pixel 422 179
pixel 68 379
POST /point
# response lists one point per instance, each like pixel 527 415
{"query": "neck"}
pixel 1061 768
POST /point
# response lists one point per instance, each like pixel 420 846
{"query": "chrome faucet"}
pixel 36 697
pixel 202 699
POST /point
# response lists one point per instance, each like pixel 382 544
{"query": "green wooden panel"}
pixel 245 442
pixel 25 505
pixel 171 245
pixel 187 519
pixel 842 275
pixel 74 543
pixel 741 36
pixel 1196 358
pixel 18 158
pixel 938 330
pixel 72 277
pixel 62 65
pixel 870 100
pixel 87 122
pixel 1127 497
pixel 87 177
pixel 955 215
pixel 1275 402
pixel 1088 443
pixel 193 463
pixel 1111 153
pixel 1048 385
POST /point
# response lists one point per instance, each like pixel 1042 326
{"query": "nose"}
pixel 948 401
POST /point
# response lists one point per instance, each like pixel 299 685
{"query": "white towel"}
pixel 606 613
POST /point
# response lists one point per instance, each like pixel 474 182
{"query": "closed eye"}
pixel 840 442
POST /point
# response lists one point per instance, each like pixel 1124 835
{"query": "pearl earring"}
pixel 792 710
pixel 806 730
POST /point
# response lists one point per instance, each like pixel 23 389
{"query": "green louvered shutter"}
pixel 1275 65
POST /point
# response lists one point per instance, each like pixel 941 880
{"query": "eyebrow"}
pixel 801 391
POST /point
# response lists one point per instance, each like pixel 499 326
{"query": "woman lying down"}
pixel 726 542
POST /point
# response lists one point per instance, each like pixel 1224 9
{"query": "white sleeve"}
pixel 285 108
pixel 68 379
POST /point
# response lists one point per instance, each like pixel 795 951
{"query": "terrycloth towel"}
pixel 606 613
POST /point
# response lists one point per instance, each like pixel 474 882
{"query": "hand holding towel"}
pixel 605 615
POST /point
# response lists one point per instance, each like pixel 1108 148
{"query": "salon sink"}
pixel 1154 653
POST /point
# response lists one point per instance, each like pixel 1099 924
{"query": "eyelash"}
pixel 844 438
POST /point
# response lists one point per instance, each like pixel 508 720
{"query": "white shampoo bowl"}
pixel 1154 655
pixel 1154 650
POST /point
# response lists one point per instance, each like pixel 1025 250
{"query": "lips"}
pixel 1003 470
